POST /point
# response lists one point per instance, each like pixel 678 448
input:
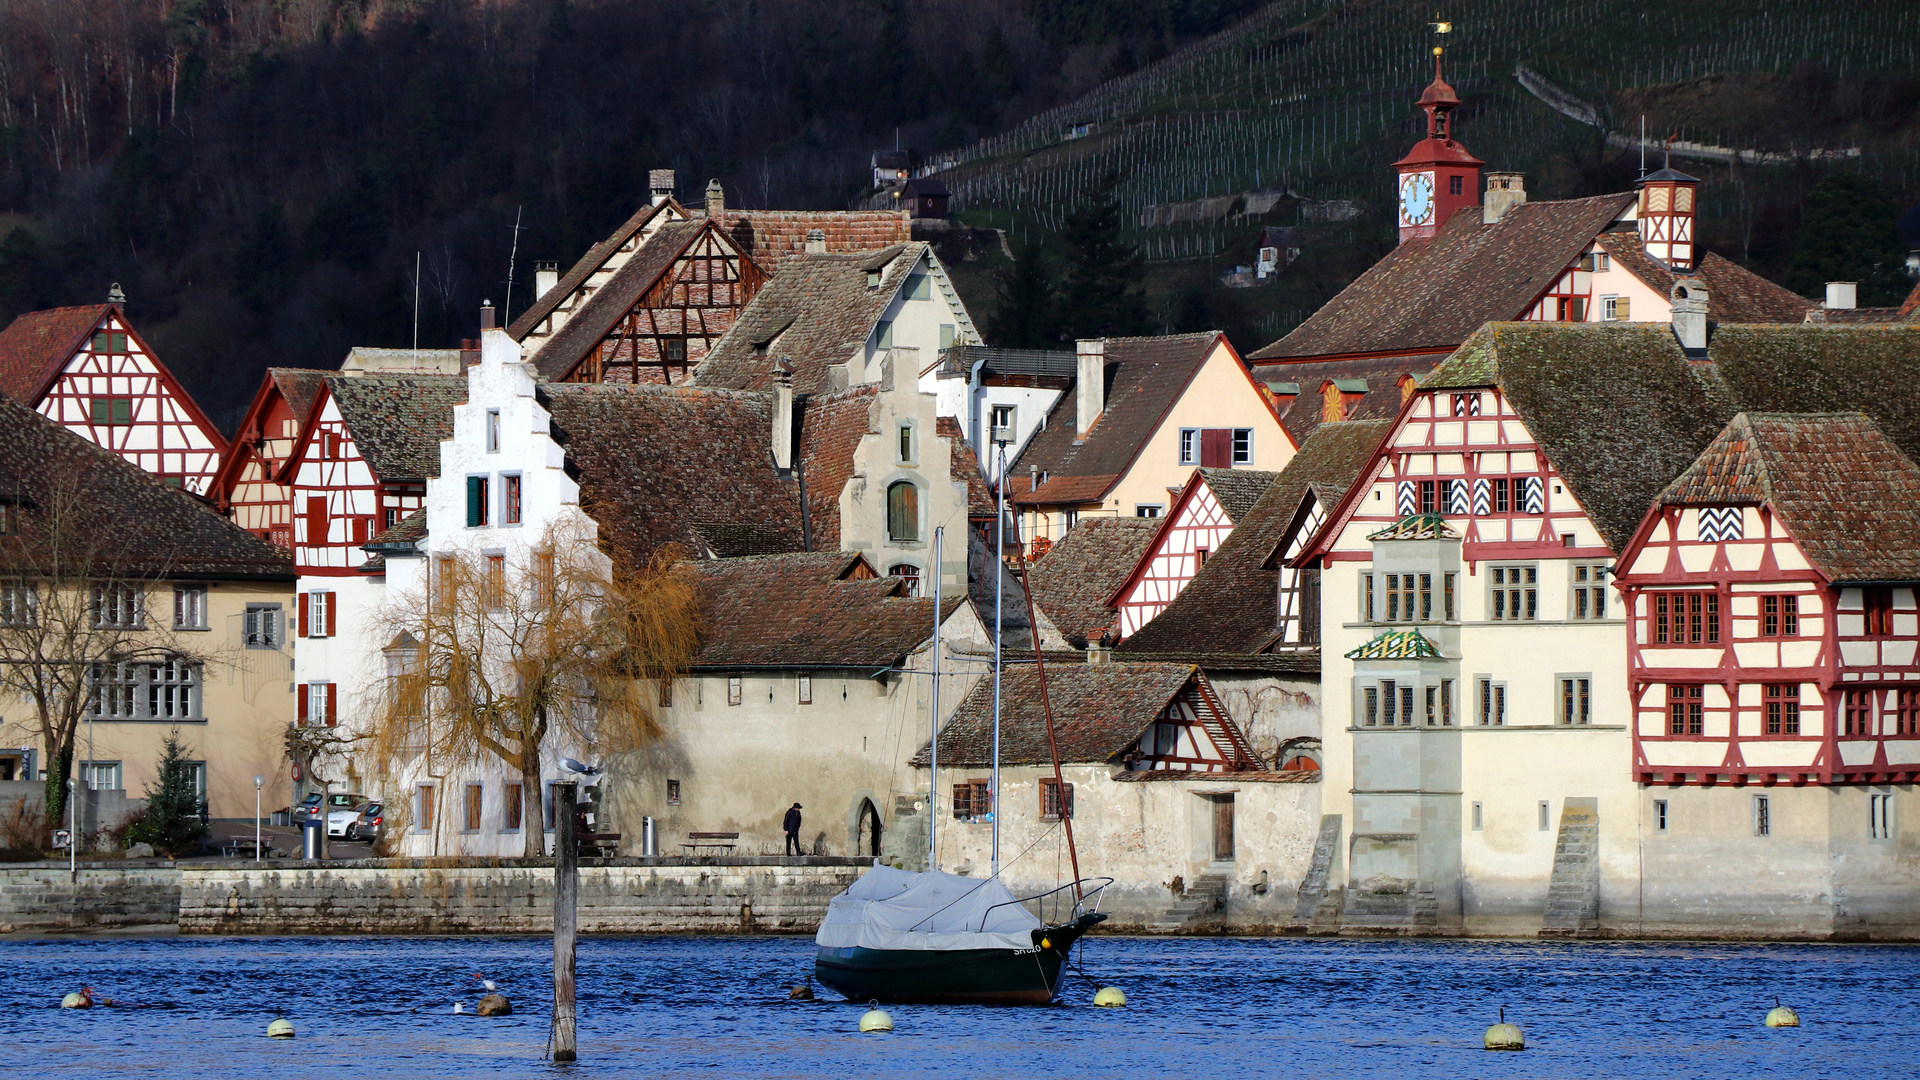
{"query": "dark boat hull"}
pixel 961 976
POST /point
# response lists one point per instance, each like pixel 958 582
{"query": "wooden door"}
pixel 1223 828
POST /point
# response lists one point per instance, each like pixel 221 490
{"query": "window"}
pixel 1907 711
pixel 1877 603
pixel 1545 816
pixel 390 517
pixel 118 606
pixel 493 431
pixel 510 499
pixel 197 778
pixel 947 331
pixel 1780 616
pixel 1615 308
pixel 1686 618
pixel 1148 510
pixel 544 582
pixel 910 574
pixel 261 626
pixel 1762 816
pixel 318 706
pixel 1200 557
pixel 1453 184
pixel 1427 502
pixel 1003 424
pixel 1397 699
pixel 1858 709
pixel 1603 261
pixel 1589 591
pixel 906 443
pixel 1243 446
pixel 110 411
pixel 167 690
pixel 1479 818
pixel 919 287
pixel 476 501
pixel 1440 704
pixel 1576 699
pixel 1366 598
pixel 1659 815
pixel 1685 702
pixel 496 582
pixel 423 807
pixel 316 614
pixel 9 519
pixel 19 605
pixel 100 775
pixel 475 802
pixel 1447 596
pixel 673 793
pixel 172 690
pixel 804 691
pixel 676 351
pixel 733 689
pixel 1387 700
pixel 1051 802
pixel 1189 446
pixel 973 800
pixel 1783 708
pixel 903 511
pixel 512 798
pixel 1493 703
pixel 1502 495
pixel 1515 593
pixel 190 607
pixel 109 342
pixel 1466 404
pixel 1880 815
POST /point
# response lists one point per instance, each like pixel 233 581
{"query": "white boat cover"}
pixel 894 909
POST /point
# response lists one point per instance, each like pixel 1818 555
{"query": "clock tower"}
pixel 1437 176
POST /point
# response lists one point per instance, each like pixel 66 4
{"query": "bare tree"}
pixel 501 658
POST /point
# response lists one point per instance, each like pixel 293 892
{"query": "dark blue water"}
pixel 1198 1008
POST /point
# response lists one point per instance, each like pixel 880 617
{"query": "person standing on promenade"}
pixel 792 827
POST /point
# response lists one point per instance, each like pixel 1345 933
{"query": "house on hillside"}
pixel 1143 413
pixel 88 370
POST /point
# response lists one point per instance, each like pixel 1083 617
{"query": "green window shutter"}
pixel 98 409
pixel 476 493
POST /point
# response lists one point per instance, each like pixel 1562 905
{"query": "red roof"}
pixel 38 344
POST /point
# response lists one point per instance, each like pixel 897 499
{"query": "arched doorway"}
pixel 867 842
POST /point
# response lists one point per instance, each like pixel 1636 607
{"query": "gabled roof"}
pixel 584 268
pixel 1812 368
pixel 35 346
pixel 1236 490
pixel 1099 710
pixel 1432 293
pixel 1397 645
pixel 1146 377
pixel 1229 606
pixel 817 311
pixel 1380 401
pixel 773 237
pixel 121 515
pixel 397 421
pixel 408 530
pixel 831 427
pixel 1846 493
pixel 1072 582
pixel 298 387
pixel 1735 294
pixel 806 611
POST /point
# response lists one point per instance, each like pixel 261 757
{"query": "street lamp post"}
pixel 73 833
pixel 258 782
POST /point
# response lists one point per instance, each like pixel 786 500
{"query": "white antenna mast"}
pixel 506 315
pixel 416 310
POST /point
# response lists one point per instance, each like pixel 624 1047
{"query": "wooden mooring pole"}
pixel 566 894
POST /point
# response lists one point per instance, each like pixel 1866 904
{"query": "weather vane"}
pixel 1440 28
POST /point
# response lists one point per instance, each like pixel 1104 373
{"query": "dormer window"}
pixel 873 279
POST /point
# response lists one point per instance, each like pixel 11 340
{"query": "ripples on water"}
pixel 1202 1007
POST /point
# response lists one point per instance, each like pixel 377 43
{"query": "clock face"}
pixel 1416 199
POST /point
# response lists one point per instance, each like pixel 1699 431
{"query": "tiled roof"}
pixel 1433 293
pixel 801 610
pixel 1910 307
pixel 1810 368
pixel 1865 316
pixel 121 515
pixel 1417 527
pixel 817 311
pixel 1397 645
pixel 1098 711
pixel 408 530
pixel 1735 294
pixel 1382 375
pixel 588 326
pixel 36 345
pixel 1845 492
pixel 299 386
pixel 1145 377
pixel 1229 606
pixel 1073 581
pixel 658 464
pixel 831 427
pixel 966 467
pixel 773 237
pixel 583 269
pixel 1059 489
pixel 398 421
pixel 1236 490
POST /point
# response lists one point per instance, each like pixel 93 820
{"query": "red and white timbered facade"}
pixel 338 498
pixel 1195 528
pixel 248 487
pixel 1192 733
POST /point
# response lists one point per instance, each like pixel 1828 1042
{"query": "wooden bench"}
pixel 720 841
pixel 595 842
pixel 243 848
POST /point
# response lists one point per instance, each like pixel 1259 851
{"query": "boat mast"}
pixel 1053 744
pixel 999 576
pixel 933 756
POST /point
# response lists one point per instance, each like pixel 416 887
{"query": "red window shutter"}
pixel 1216 448
pixel 316 519
pixel 300 716
pixel 332 716
pixel 306 609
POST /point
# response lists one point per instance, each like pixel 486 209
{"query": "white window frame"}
pixel 1492 703
pixel 1594 587
pixel 1242 452
pixel 1149 510
pixel 19 604
pixel 1189 446
pixel 261 628
pixel 91 773
pixel 189 607
pixel 122 606
pixel 735 690
pixel 1661 809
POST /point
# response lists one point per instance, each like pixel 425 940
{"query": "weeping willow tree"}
pixel 500 658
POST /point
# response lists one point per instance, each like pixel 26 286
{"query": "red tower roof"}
pixel 1439 100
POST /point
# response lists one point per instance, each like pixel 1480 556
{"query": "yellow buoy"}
pixel 1110 997
pixel 1046 943
pixel 281 1028
pixel 876 1020
pixel 76 1000
pixel 1505 1036
pixel 1781 1016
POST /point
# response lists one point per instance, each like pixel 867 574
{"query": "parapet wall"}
pixel 45 896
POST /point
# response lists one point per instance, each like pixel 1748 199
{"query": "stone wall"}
pixel 43 896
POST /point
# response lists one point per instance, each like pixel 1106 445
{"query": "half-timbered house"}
pixel 248 488
pixel 1200 520
pixel 89 370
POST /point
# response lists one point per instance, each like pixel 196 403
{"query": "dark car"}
pixel 340 800
pixel 370 825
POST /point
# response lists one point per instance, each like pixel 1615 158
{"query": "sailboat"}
pixel 933 937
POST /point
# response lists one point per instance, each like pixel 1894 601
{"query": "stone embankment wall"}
pixel 45 896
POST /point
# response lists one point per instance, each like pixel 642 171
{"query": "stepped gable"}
pixel 966 467
pixel 812 610
pixel 138 524
pixel 1381 399
pixel 773 237
pixel 1145 377
pixel 1735 294
pixel 1236 490
pixel 397 421
pixel 1072 582
pixel 1229 606
pixel 585 329
pixel 659 464
pixel 1432 293
pixel 818 311
pixel 1811 368
pixel 1099 710
pixel 37 345
pixel 1845 492
pixel 584 268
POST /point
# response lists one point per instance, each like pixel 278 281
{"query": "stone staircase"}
pixel 1205 897
pixel 1573 895
pixel 1390 905
pixel 1317 908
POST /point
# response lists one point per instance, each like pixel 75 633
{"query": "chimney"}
pixel 545 276
pixel 487 320
pixel 1505 190
pixel 716 200
pixel 782 434
pixel 660 182
pixel 115 296
pixel 816 242
pixel 1842 295
pixel 469 353
pixel 1090 387
pixel 1690 314
pixel 1098 654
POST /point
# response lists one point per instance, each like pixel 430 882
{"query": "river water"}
pixel 675 1006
